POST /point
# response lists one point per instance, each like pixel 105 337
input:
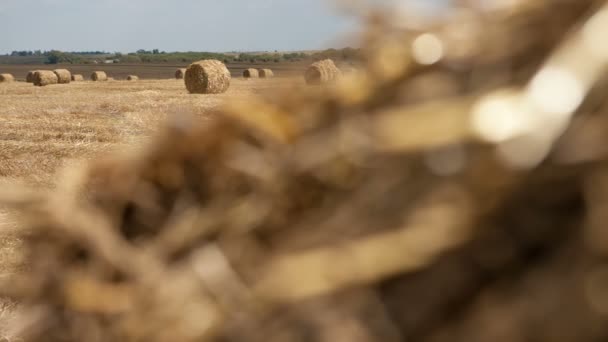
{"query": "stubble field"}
pixel 43 129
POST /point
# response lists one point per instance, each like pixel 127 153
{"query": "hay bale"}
pixel 324 71
pixel 110 78
pixel 132 78
pixel 5 78
pixel 44 78
pixel 207 77
pixel 266 73
pixel 29 78
pixel 99 76
pixel 64 76
pixel 251 73
pixel 77 78
pixel 180 74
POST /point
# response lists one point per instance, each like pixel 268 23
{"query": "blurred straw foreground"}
pixel 454 188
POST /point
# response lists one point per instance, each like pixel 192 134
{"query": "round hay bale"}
pixel 110 78
pixel 207 77
pixel 251 73
pixel 99 76
pixel 5 78
pixel 29 78
pixel 77 78
pixel 180 74
pixel 348 70
pixel 266 73
pixel 45 77
pixel 324 71
pixel 64 76
pixel 132 78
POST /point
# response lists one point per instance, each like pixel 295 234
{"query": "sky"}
pixel 171 25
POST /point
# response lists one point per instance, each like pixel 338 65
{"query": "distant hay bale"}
pixel 322 72
pixel 180 73
pixel 99 76
pixel 348 69
pixel 207 77
pixel 45 77
pixel 5 78
pixel 64 76
pixel 251 73
pixel 132 78
pixel 110 79
pixel 77 78
pixel 29 78
pixel 266 73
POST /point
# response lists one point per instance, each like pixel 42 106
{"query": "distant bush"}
pixel 130 59
pixel 56 57
pixel 156 56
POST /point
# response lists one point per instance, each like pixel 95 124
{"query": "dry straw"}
pixel 132 78
pixel 5 78
pixel 64 76
pixel 266 73
pixel 324 71
pixel 77 78
pixel 99 76
pixel 251 73
pixel 29 78
pixel 45 77
pixel 180 73
pixel 207 77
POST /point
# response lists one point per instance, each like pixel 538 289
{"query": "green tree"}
pixel 54 57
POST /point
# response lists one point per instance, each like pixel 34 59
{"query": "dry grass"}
pixel 44 129
pixel 78 120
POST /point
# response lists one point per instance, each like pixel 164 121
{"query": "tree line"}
pixel 158 56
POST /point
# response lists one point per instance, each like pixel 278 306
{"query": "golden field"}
pixel 45 128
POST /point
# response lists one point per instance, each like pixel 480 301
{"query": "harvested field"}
pixel 45 129
pixel 42 126
pixel 42 129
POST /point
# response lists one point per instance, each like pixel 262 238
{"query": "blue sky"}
pixel 170 25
